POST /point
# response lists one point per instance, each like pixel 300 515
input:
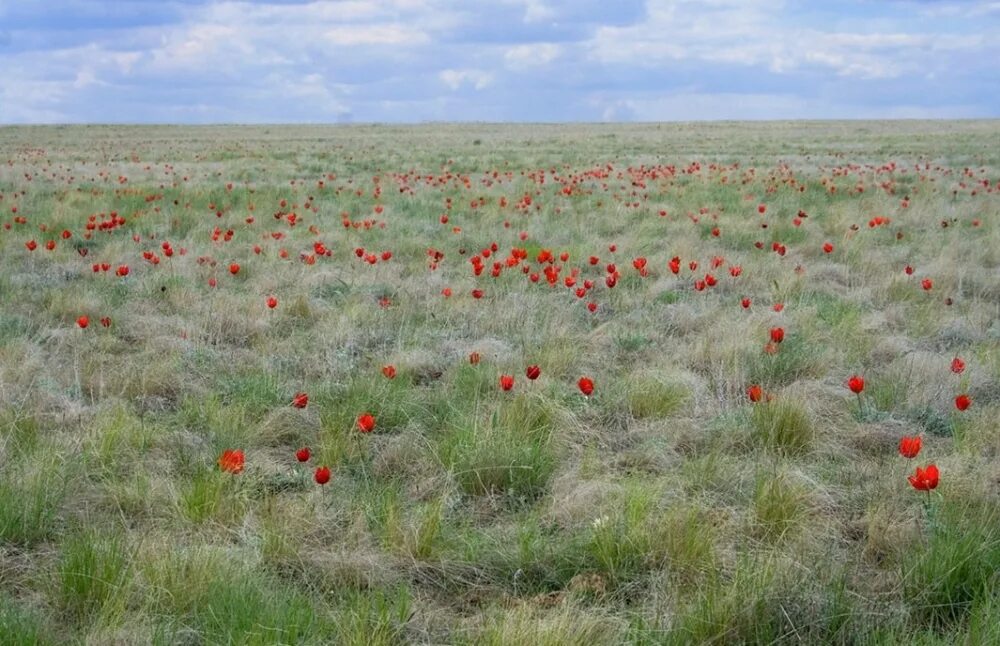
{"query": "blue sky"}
pixel 193 61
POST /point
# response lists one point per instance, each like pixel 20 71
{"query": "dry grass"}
pixel 666 508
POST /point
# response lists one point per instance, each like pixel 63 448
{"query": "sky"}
pixel 343 61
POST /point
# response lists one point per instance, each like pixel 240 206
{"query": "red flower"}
pixel 777 334
pixel 231 460
pixel 506 382
pixel 477 293
pixel 322 475
pixel 533 372
pixel 303 454
pixel 746 303
pixel 31 245
pixel 927 284
pixel 234 269
pixel 962 402
pixel 122 271
pixel 366 422
pixel 925 479
pixel 83 322
pixel 754 393
pixel 909 447
pixel 957 366
pixel 827 247
pixel 272 302
pixel 389 371
pixel 300 400
pixel 106 321
pixel 586 386
pixel 856 384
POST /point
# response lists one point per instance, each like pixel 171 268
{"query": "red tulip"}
pixel 300 400
pixel 31 245
pixel 532 372
pixel 827 247
pixel 106 321
pixel 777 334
pixel 272 302
pixel 909 447
pixel 909 270
pixel 83 322
pixel 754 393
pixel 746 303
pixel 962 402
pixel 925 479
pixel 586 386
pixel 122 271
pixel 856 384
pixel 234 269
pixel 477 293
pixel 927 284
pixel 957 366
pixel 366 422
pixel 303 454
pixel 322 475
pixel 231 461
pixel 389 371
pixel 592 307
pixel 506 382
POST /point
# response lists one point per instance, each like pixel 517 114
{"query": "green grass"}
pixel 666 508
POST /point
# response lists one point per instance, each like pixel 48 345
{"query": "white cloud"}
pixel 758 33
pixel 385 34
pixel 531 55
pixel 455 79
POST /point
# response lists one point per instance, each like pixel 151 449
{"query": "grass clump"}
pixel 782 425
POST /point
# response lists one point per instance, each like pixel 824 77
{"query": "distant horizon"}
pixel 356 124
pixel 252 62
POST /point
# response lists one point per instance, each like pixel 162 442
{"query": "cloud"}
pixel 455 79
pixel 531 55
pixel 530 60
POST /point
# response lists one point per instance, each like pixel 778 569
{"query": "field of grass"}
pixel 664 508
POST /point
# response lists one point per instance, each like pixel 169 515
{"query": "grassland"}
pixel 665 508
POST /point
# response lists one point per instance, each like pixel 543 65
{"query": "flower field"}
pixel 484 384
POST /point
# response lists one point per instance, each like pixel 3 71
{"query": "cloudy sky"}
pixel 195 61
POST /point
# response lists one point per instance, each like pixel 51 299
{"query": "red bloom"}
pixel 272 302
pixel 777 334
pixel 389 371
pixel 586 386
pixel 366 422
pixel 533 372
pixel 957 366
pixel 83 322
pixel 234 269
pixel 856 384
pixel 506 382
pixel 300 400
pixel 827 247
pixel 106 321
pixel 303 454
pixel 962 402
pixel 925 479
pixel 745 303
pixel 322 475
pixel 231 460
pixel 754 393
pixel 909 447
pixel 927 284
pixel 477 293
